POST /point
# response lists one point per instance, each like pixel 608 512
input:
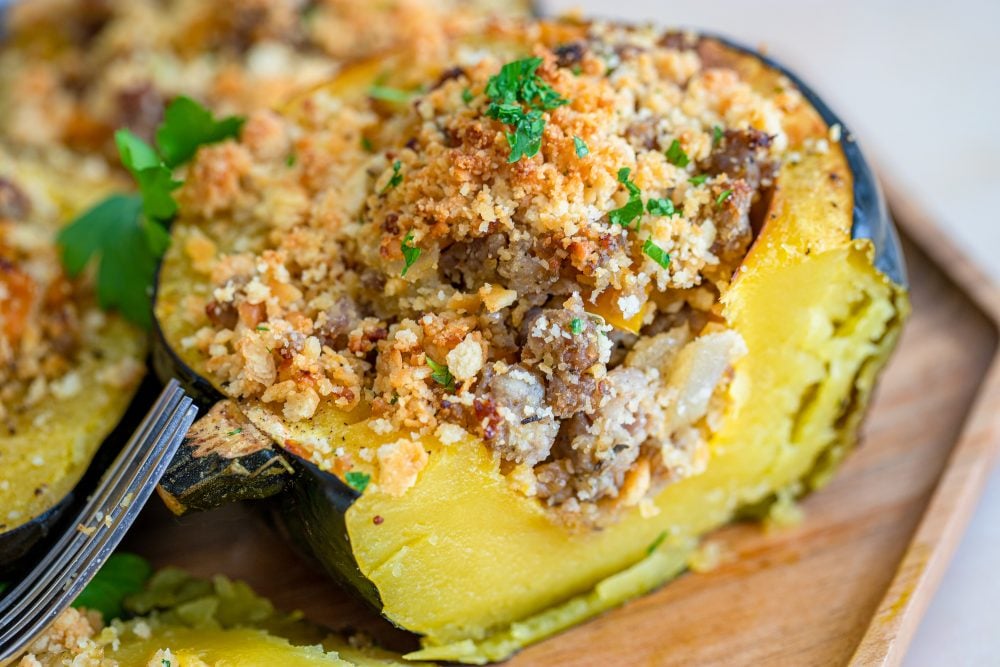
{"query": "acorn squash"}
pixel 71 370
pixel 462 555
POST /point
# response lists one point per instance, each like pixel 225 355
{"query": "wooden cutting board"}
pixel 848 585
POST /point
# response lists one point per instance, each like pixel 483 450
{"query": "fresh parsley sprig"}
pixel 127 234
pixel 518 96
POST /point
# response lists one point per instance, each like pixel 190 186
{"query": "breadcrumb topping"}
pixel 560 304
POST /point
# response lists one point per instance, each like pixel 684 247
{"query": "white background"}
pixel 919 84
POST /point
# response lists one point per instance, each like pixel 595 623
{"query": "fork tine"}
pixel 62 574
pixel 154 421
pixel 59 595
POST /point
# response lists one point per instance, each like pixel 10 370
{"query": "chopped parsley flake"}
pixel 261 327
pixel 662 206
pixel 389 94
pixel 582 150
pixel 357 480
pixel 716 135
pixel 291 159
pixel 515 87
pixel 467 95
pixel 395 179
pixel 441 375
pixel 632 210
pixel 723 196
pixel 410 252
pixel 676 155
pixel 366 145
pixel 656 543
pixel 576 326
pixel 656 253
pixel 235 431
pixel 698 180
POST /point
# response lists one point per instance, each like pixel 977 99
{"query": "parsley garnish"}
pixel 582 150
pixel 389 94
pixel 723 196
pixel 121 575
pixel 632 210
pixel 188 125
pixel 656 543
pixel 126 234
pixel 410 252
pixel 576 326
pixel 395 179
pixel 441 375
pixel 662 206
pixel 291 160
pixel 235 431
pixel 518 84
pixel 656 253
pixel 676 155
pixel 698 180
pixel 127 246
pixel 467 95
pixel 366 145
pixel 357 480
pixel 716 135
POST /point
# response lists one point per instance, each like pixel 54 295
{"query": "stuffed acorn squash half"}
pixel 506 327
pixel 68 370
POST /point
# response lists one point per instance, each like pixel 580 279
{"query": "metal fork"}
pixel 31 606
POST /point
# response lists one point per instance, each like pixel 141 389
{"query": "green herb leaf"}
pixel 235 431
pixel 395 179
pixel 366 145
pixel 186 126
pixel 576 326
pixel 656 253
pixel 632 210
pixel 515 85
pixel 716 135
pixel 582 150
pixel 357 480
pixel 389 94
pixel 410 252
pixel 291 159
pixel 126 246
pixel 698 180
pixel 656 543
pixel 155 179
pixel 441 375
pixel 121 575
pixel 518 82
pixel 723 196
pixel 467 95
pixel 676 155
pixel 662 207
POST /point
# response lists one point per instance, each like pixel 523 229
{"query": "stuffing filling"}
pixel 528 247
pixel 40 311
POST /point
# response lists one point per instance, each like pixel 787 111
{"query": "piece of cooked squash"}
pixel 182 621
pixel 68 371
pixel 468 429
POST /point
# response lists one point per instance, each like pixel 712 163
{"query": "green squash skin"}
pixel 310 508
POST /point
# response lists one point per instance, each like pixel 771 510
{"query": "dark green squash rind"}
pixel 195 484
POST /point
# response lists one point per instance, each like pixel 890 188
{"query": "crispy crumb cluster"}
pixel 393 253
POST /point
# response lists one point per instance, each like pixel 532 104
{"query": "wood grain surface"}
pixel 846 585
